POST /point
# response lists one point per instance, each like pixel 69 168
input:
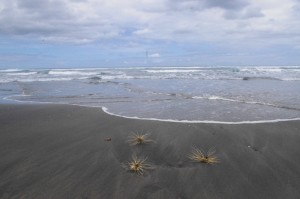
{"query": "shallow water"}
pixel 228 94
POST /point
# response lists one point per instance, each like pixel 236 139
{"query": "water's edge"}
pixel 105 110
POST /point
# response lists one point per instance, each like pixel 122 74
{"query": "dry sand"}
pixel 60 152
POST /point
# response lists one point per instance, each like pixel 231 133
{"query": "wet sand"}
pixel 59 152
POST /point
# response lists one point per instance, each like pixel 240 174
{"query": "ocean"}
pixel 177 94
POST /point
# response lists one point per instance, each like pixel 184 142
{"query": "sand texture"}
pixel 61 152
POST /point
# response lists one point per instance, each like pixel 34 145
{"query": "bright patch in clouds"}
pixel 67 33
pixel 154 55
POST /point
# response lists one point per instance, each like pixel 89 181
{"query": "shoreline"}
pixel 105 109
pixel 59 151
pixel 194 121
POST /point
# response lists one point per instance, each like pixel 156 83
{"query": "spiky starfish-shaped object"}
pixel 139 139
pixel 208 157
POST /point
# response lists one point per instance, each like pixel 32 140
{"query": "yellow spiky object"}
pixel 139 139
pixel 208 157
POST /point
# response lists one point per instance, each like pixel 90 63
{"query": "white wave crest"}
pixel 22 74
pixel 9 70
pixel 71 72
pixel 171 71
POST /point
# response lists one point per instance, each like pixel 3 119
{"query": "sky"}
pixel 124 33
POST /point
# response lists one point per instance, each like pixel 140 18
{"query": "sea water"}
pixel 197 94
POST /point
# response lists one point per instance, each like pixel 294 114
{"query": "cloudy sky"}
pixel 107 33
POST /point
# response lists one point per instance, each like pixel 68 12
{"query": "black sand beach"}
pixel 59 152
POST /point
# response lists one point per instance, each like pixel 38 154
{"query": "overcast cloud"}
pixel 134 26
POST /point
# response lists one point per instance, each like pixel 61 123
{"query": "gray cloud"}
pixel 52 20
pixel 246 13
pixel 81 21
pixel 227 5
pixel 198 5
pixel 45 9
pixel 233 9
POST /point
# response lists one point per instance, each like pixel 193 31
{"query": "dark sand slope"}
pixel 54 151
